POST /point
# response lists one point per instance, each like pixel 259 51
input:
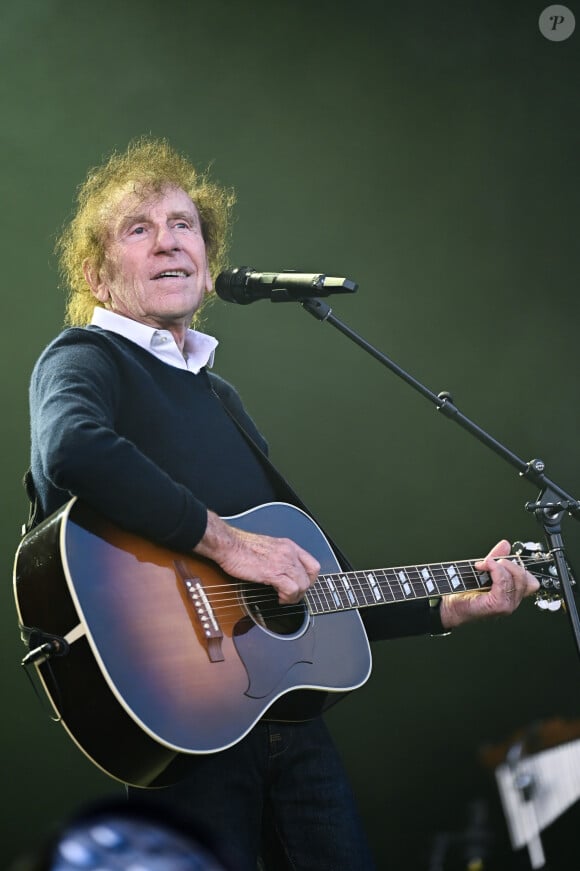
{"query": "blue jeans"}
pixel 281 793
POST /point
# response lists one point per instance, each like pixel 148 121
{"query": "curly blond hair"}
pixel 147 166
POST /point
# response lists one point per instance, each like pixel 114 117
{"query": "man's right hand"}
pixel 278 562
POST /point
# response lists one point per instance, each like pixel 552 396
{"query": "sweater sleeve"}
pixel 398 620
pixel 76 450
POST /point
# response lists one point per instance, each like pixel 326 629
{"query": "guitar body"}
pixel 165 654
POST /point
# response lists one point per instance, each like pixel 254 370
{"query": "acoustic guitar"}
pixel 149 655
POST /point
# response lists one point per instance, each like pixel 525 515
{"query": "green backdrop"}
pixel 429 152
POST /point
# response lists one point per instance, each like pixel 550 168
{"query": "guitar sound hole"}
pixel 263 607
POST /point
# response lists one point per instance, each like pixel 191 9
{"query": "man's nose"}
pixel 166 239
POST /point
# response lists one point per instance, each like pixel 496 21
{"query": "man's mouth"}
pixel 171 273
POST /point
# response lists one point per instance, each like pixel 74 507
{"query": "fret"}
pixel 360 589
pixel 328 595
pixel 395 581
pixel 406 587
pixel 441 579
pixel 374 587
pixel 428 581
pixel 325 596
pixel 349 592
pixel 314 598
pixel 454 577
pixel 363 589
pixel 386 585
pixel 334 597
pixel 366 582
pixel 474 580
pixel 421 581
pixel 482 579
pixel 337 591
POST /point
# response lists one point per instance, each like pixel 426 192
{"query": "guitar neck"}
pixel 344 591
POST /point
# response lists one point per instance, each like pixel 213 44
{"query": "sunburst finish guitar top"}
pixel 160 655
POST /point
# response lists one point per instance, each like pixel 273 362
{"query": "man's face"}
pixel 155 269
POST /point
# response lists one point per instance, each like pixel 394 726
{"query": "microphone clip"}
pixel 286 294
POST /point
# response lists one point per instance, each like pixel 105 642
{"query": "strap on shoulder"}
pixel 33 509
pixel 287 492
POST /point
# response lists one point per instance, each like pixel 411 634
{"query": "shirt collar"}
pixel 199 348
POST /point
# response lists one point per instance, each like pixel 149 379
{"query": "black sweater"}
pixel 152 447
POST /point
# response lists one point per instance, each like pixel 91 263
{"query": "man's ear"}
pixel 93 278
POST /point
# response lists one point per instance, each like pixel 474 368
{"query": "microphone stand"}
pixel 553 501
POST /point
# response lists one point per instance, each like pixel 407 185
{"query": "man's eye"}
pixel 182 225
pixel 138 231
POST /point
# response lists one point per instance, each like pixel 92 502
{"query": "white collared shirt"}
pixel 198 348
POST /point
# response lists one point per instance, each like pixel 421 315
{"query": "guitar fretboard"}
pixel 343 591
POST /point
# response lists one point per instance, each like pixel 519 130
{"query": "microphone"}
pixel 244 285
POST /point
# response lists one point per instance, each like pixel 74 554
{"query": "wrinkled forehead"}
pixel 137 199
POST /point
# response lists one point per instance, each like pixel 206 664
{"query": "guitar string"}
pixel 432 568
pixel 437 573
pixel 355 583
pixel 225 595
pixel 351 575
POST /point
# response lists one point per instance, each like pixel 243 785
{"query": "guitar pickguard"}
pixel 267 658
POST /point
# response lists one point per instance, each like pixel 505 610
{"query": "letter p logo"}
pixel 557 23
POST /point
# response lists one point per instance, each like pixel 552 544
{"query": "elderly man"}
pixel 127 417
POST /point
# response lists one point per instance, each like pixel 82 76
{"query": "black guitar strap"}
pixel 287 493
pixel 32 519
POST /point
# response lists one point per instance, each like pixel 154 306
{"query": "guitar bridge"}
pixel 203 611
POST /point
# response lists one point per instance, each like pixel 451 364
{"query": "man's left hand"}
pixel 510 584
